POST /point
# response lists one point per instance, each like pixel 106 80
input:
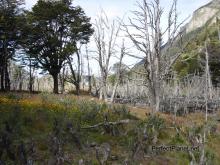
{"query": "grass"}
pixel 43 119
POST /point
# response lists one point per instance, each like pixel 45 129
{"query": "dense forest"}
pixel 57 109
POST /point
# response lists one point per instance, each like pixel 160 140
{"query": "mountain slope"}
pixel 204 14
pixel 204 24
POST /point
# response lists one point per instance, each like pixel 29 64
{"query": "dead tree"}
pixel 75 75
pixel 63 78
pixel 31 78
pixel 89 71
pixel 147 37
pixel 105 37
pixel 109 127
pixel 208 92
pixel 208 96
pixel 119 72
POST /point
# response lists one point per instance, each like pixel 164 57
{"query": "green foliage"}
pixel 11 19
pixel 10 26
pixel 32 120
pixel 38 123
pixel 145 134
pixel 122 71
pixel 112 79
pixel 178 139
pixel 90 112
pixel 153 122
pixel 52 23
pixel 188 64
pixel 53 30
pixel 121 111
pixel 13 96
pixel 192 61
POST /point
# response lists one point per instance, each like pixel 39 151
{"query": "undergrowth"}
pixel 45 128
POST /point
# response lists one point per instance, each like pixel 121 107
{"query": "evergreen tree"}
pixel 10 33
pixel 54 30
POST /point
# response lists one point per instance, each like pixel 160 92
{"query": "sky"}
pixel 119 8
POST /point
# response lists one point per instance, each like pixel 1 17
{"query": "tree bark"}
pixel 119 73
pixel 105 51
pixel 103 90
pixel 30 78
pixel 55 83
pixel 90 84
pixel 89 72
pixel 7 78
pixel 77 85
pixel 148 40
pixel 75 79
pixel 2 79
pixel 78 75
pixel 62 78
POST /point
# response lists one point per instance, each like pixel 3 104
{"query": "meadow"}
pixel 65 129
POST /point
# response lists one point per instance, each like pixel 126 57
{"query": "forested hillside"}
pixel 193 59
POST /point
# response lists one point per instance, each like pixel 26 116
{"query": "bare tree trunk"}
pixel 208 95
pixel 55 83
pixel 62 78
pixel 38 85
pixel 7 78
pixel 119 72
pixel 75 77
pixel 82 76
pixel 218 31
pixel 147 39
pixel 89 72
pixel 20 86
pixel 100 94
pixel 2 79
pixel 208 89
pixel 20 80
pixel 78 75
pixel 31 79
pixel 3 61
pixel 105 37
pixel 103 90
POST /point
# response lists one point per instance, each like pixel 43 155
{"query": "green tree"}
pixel 55 28
pixel 11 18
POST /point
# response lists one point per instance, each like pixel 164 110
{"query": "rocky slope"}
pixel 207 14
pixel 202 15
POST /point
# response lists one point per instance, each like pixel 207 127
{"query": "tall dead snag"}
pixel 119 72
pixel 89 71
pixel 75 77
pixel 208 96
pixel 208 88
pixel 105 37
pixel 146 34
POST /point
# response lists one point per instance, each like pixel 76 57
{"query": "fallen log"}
pixel 126 121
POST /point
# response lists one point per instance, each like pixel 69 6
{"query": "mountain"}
pixel 202 15
pixel 204 23
pixel 203 27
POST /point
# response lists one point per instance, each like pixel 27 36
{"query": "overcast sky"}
pixel 118 8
